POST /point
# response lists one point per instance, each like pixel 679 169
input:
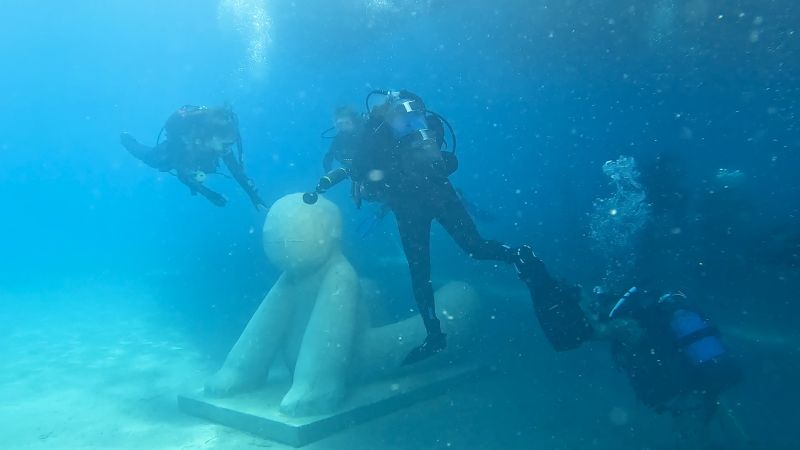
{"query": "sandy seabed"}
pixel 99 367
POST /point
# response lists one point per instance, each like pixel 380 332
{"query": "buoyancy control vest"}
pixel 406 146
pixel 201 123
pixel 680 351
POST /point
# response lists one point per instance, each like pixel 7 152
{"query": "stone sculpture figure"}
pixel 314 318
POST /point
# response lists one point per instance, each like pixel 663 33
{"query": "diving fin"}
pixel 557 305
pixel 433 344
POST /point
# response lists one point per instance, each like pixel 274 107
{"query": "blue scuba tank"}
pixel 696 337
pixel 403 125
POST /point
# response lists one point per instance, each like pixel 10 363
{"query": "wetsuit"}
pixel 415 209
pixel 186 160
pixel 678 366
pixel 342 149
pixel 413 183
pixel 408 171
pixel 679 352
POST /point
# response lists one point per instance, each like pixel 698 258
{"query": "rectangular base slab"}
pixel 257 412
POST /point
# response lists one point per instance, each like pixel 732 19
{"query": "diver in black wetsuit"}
pixel 400 162
pixel 673 357
pixel 197 137
pixel 349 126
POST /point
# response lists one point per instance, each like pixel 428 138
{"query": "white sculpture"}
pixel 314 317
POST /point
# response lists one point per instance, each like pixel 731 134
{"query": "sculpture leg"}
pixel 323 362
pixel 250 359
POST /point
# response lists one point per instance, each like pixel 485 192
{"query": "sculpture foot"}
pixel 305 401
pixel 227 382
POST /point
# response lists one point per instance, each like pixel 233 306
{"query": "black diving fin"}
pixel 557 304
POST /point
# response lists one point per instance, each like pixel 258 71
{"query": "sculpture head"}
pixel 299 237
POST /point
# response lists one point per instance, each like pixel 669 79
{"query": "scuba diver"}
pixel 196 138
pixel 672 355
pixel 400 159
pixel 349 125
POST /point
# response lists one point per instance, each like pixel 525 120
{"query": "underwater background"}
pixel 98 249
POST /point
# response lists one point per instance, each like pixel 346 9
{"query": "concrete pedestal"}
pixel 257 412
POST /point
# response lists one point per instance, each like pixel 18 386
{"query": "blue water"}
pixel 540 94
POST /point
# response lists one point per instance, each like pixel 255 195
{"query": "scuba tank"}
pixel 415 126
pixel 679 350
pixel 189 120
pixel 699 343
pixel 691 333
pixel 695 337
pixel 418 134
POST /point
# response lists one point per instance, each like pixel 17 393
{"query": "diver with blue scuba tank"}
pixel 196 138
pixel 672 355
pixel 401 160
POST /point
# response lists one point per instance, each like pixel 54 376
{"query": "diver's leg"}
pixel 556 304
pixel 139 151
pixel 459 224
pixel 158 157
pixel 415 233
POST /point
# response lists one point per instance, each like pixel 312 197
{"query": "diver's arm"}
pixel 195 187
pixel 237 170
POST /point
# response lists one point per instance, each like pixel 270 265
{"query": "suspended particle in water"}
pixel 618 416
pixel 375 175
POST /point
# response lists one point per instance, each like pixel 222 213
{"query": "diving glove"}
pixel 433 344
